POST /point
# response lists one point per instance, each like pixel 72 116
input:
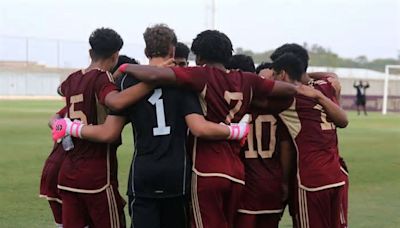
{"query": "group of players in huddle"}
pixel 219 145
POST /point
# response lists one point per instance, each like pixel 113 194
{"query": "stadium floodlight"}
pixel 386 86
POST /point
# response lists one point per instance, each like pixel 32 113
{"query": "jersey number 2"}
pixel 156 100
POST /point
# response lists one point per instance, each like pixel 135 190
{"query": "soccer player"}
pixel 266 158
pixel 308 78
pixel 181 55
pixel 241 62
pixel 320 180
pixel 157 189
pixel 226 96
pixel 87 178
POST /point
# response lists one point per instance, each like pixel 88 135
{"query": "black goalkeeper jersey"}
pixel 161 166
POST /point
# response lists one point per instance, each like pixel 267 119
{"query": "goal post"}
pixel 386 86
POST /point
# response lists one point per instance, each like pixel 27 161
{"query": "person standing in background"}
pixel 361 99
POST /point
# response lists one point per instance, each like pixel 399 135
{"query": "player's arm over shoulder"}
pixel 263 88
pixel 131 92
pixel 331 78
pixel 275 95
pixel 332 109
pixel 107 132
pixel 196 122
pixel 150 74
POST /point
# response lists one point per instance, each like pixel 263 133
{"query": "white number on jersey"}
pixel 156 100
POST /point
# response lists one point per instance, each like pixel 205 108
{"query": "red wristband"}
pixel 123 67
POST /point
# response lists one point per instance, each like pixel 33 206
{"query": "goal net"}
pixel 391 89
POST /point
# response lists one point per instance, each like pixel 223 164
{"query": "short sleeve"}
pixel 61 88
pixel 194 78
pixel 103 86
pixel 191 104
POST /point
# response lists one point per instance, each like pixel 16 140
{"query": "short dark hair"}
pixel 159 39
pixel 291 64
pixel 124 59
pixel 262 66
pixel 241 62
pixel 182 50
pixel 104 42
pixel 294 48
pixel 212 46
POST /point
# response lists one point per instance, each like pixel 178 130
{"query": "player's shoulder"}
pixel 99 73
pixel 125 81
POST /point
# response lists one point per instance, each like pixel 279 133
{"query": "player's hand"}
pixel 64 127
pixel 169 63
pixel 239 131
pixel 120 71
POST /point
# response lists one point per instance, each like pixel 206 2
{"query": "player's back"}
pixel 90 165
pixel 316 140
pixel 226 97
pixel 161 167
pixel 263 171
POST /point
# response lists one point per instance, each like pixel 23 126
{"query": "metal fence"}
pixel 55 52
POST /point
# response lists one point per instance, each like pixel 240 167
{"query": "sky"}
pixel 348 28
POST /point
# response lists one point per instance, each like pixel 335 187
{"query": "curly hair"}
pixel 212 46
pixel 159 39
pixel 299 51
pixel 105 42
pixel 241 62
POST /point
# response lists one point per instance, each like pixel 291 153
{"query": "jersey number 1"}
pixel 156 100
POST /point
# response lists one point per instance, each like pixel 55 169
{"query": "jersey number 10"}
pixel 258 127
pixel 156 100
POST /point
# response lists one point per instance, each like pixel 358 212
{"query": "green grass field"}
pixel 370 145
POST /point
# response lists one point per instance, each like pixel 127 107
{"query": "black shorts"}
pixel 159 212
pixel 360 100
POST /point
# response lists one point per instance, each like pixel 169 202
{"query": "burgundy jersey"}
pixel 225 96
pixel 49 179
pixel 90 166
pixel 263 191
pixel 315 139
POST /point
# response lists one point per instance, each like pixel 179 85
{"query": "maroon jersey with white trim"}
pixel 225 96
pixel 90 166
pixel 263 191
pixel 315 140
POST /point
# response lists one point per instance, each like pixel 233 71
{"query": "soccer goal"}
pixel 388 69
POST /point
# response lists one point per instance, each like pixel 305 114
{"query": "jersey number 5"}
pixel 258 127
pixel 156 100
pixel 73 114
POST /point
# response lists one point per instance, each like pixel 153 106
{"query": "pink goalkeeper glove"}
pixel 64 127
pixel 239 131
